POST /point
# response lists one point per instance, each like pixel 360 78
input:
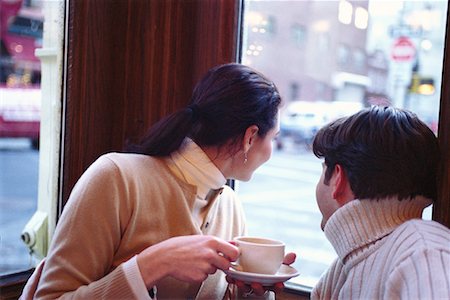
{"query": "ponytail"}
pixel 166 135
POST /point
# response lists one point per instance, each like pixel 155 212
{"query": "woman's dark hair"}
pixel 226 101
pixel 384 151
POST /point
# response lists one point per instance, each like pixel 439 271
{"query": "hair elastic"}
pixel 195 112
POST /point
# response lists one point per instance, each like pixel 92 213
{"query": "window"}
pixel 323 42
pixel 343 55
pixel 361 18
pixel 280 199
pixel 261 24
pixel 345 12
pixel 321 90
pixel 30 110
pixel 359 59
pixel 298 35
pixel 295 91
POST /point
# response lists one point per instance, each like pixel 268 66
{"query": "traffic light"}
pixel 421 85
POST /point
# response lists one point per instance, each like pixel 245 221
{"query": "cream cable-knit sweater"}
pixel 386 251
pixel 122 204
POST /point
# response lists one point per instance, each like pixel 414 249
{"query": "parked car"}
pixel 301 120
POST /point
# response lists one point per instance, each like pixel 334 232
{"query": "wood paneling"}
pixel 11 285
pixel 131 62
pixel 441 209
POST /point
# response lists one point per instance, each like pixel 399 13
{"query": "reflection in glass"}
pixel 353 54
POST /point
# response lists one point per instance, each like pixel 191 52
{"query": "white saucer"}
pixel 284 273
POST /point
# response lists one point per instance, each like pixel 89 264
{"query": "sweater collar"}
pixel 361 222
pixel 191 164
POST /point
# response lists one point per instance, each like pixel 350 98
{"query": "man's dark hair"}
pixel 384 151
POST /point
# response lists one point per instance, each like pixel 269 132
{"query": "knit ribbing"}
pixel 386 252
pixel 364 221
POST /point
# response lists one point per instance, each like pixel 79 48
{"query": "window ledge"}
pixel 11 285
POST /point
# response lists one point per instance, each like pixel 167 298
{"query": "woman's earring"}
pixel 245 158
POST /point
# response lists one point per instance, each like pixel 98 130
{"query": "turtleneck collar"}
pixel 191 164
pixel 361 222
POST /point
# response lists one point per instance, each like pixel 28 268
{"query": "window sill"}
pixel 11 285
pixel 295 291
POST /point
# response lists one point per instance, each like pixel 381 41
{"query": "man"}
pixel 379 173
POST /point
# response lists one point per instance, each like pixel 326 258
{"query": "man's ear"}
pixel 341 186
pixel 249 137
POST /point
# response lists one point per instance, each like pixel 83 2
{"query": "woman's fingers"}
pixel 187 258
pixel 258 289
pixel 228 250
pixel 278 287
pixel 255 288
pixel 221 262
pixel 230 279
pixel 289 258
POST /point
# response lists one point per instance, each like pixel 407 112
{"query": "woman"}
pixel 159 217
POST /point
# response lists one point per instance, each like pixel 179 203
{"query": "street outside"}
pixel 279 202
pixel 18 201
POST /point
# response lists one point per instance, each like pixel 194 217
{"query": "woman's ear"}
pixel 341 186
pixel 249 137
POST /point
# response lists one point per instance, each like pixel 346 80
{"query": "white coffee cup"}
pixel 259 255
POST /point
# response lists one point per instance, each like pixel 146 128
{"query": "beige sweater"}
pixel 122 204
pixel 385 251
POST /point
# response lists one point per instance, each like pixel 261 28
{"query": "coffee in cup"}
pixel 259 255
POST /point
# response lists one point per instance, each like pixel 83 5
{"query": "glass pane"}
pixel 29 108
pixel 20 86
pixel 329 59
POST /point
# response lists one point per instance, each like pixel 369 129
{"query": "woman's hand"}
pixel 256 287
pixel 187 258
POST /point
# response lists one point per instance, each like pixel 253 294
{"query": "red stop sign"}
pixel 403 50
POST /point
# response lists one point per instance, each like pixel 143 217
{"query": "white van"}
pixel 300 120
